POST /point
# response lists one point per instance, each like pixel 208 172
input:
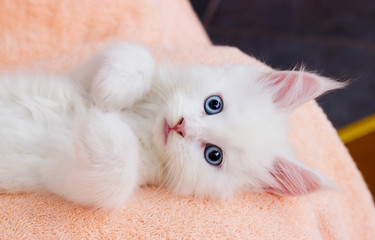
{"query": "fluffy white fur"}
pixel 94 135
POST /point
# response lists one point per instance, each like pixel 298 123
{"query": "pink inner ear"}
pixel 290 92
pixel 292 179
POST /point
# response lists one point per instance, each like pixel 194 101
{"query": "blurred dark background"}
pixel 334 38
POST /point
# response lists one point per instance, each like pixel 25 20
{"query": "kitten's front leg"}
pixel 102 169
pixel 118 76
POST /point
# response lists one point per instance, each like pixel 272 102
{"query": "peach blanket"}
pixel 60 34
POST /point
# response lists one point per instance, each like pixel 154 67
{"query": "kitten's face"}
pixel 224 128
pixel 218 131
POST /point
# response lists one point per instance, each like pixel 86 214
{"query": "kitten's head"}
pixel 224 128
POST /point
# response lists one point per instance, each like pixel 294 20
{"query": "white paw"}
pixel 107 155
pixel 124 76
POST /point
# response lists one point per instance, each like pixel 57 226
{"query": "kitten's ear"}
pixel 291 178
pixel 292 88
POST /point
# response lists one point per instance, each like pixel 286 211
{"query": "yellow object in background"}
pixel 358 129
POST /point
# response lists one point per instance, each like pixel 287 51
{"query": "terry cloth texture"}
pixel 58 35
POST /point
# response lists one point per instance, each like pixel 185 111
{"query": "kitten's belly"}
pixel 33 110
pixel 35 101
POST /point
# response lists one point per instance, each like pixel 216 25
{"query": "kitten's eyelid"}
pixel 203 144
pixel 214 94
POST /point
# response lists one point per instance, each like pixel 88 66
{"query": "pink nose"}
pixel 180 127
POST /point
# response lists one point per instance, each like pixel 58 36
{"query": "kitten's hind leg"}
pixel 104 169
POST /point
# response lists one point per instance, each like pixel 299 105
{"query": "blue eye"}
pixel 213 105
pixel 213 155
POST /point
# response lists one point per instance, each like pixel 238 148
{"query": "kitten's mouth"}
pixel 167 129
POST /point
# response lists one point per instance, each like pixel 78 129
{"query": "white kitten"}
pixel 118 122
